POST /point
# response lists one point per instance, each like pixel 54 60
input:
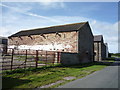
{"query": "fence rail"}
pixel 29 58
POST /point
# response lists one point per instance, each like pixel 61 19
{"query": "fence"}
pixel 29 58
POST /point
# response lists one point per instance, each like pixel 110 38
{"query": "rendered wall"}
pixel 69 58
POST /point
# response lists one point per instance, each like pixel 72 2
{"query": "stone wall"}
pixel 85 48
pixel 103 51
pixel 3 45
pixel 76 47
pixel 96 50
pixel 86 44
pixel 3 48
pixel 65 41
pixel 100 50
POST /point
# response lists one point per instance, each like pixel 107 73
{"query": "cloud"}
pixel 48 4
pixel 108 30
pixel 16 7
pixel 24 7
pixel 4 31
pixel 28 13
pixel 20 20
pixel 60 0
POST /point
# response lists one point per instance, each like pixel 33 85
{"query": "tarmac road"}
pixel 106 78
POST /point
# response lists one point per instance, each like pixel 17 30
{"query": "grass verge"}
pixel 110 59
pixel 33 78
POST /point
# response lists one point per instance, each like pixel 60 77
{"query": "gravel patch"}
pixel 69 78
pixel 47 86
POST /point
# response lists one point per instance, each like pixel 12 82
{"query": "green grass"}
pixel 32 78
pixel 110 59
pixel 22 57
pixel 115 55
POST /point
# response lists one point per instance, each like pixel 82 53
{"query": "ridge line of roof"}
pixel 98 35
pixel 82 25
pixel 50 27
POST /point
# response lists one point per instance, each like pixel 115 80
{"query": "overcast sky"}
pixel 102 17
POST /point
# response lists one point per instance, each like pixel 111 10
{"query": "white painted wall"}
pixel 49 47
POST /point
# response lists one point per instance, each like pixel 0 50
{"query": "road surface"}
pixel 106 78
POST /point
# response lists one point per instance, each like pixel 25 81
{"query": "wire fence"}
pixel 29 58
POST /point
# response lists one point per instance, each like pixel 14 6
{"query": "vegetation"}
pixel 22 57
pixel 115 55
pixel 110 59
pixel 33 78
pixel 31 58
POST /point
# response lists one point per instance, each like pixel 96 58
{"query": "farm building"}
pixel 74 41
pixel 3 45
pixel 100 48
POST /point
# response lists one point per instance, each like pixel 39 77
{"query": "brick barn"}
pixel 100 48
pixel 75 41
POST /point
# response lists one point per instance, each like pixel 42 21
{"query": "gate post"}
pixel 57 57
pixel 46 57
pixel 53 58
pixel 25 58
pixel 36 58
pixel 12 58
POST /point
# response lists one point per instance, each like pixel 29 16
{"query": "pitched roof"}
pixel 52 29
pixel 98 38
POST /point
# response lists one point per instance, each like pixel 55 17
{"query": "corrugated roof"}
pixel 52 29
pixel 98 38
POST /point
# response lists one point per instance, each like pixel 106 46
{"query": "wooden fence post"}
pixel 25 58
pixel 12 58
pixel 46 57
pixel 57 57
pixel 36 58
pixel 53 58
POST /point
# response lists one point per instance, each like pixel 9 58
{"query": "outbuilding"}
pixel 100 48
pixel 75 41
